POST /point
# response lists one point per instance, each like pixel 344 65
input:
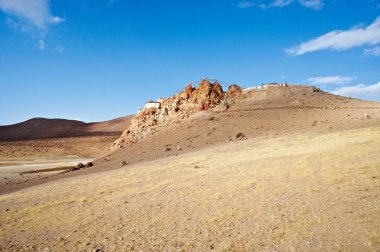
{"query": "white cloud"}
pixel 41 45
pixel 341 40
pixel 24 27
pixel 246 4
pixel 330 80
pixel 367 92
pixel 281 3
pixel 375 51
pixel 32 17
pixel 312 4
pixel 31 12
pixel 56 20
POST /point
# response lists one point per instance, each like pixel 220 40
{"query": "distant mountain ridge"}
pixel 49 128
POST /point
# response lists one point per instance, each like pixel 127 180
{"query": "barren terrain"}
pixel 52 146
pixel 40 128
pixel 63 147
pixel 255 114
pixel 288 168
pixel 306 192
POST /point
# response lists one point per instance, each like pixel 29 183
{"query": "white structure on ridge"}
pixel 152 104
pixel 265 86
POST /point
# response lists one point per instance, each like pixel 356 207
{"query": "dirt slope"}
pixel 115 126
pixel 257 114
pixel 59 147
pixel 37 128
pixel 310 192
pixel 282 169
pixel 265 113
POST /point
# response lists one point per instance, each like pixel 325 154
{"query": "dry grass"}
pixel 311 192
pixel 66 147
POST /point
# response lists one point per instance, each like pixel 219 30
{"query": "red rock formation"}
pixel 234 90
pixel 192 99
pixel 189 90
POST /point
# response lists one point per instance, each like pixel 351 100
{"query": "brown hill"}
pixel 265 169
pixel 263 112
pixel 184 124
pixel 38 128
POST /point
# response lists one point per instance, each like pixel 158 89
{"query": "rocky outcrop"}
pixel 206 96
pixel 234 90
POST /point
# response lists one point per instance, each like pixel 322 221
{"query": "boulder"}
pixel 189 90
pixel 234 90
pixel 89 164
pixel 240 136
pixel 366 116
pixel 218 89
pixel 80 166
pixel 184 95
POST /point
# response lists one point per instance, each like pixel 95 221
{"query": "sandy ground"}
pixel 257 115
pixel 8 167
pixel 64 147
pixel 310 192
pixel 17 157
pixel 19 171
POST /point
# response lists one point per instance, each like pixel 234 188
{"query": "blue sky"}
pixel 97 60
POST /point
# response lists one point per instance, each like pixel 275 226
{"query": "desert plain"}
pixel 290 168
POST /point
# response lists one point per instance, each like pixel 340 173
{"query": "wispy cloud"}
pixel 330 80
pixel 32 17
pixel 341 40
pixel 41 45
pixel 280 3
pixel 375 51
pixel 35 12
pixel 312 4
pixel 362 91
pixel 246 4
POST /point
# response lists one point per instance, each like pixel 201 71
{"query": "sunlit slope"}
pixel 310 192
